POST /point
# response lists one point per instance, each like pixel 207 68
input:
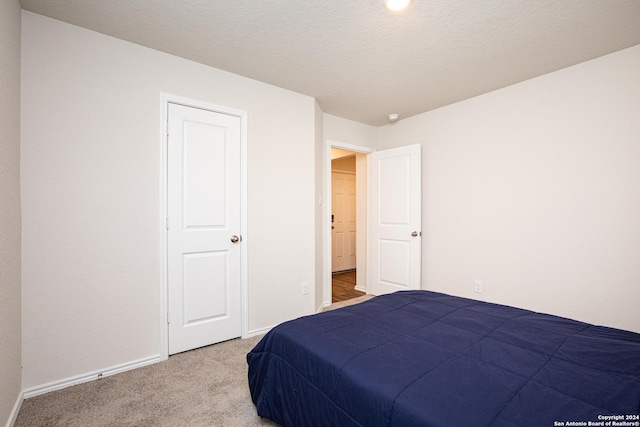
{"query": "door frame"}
pixel 326 190
pixel 165 100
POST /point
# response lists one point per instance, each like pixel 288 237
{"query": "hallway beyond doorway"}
pixel 343 286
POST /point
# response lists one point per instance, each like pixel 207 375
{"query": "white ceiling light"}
pixel 396 5
pixel 393 117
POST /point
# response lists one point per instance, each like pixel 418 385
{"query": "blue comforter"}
pixel 420 358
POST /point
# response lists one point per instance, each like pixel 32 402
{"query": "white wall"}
pixel 535 190
pixel 346 131
pixel 319 195
pixel 90 186
pixel 10 227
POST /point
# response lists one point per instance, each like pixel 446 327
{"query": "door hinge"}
pixel 168 317
pixel 166 222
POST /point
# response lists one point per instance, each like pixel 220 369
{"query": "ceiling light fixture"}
pixel 393 117
pixel 396 5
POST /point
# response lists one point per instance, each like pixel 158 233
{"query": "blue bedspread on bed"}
pixel 420 358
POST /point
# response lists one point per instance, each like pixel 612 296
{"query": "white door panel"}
pixel 394 189
pixel 203 302
pixel 396 219
pixel 394 262
pixel 204 266
pixel 204 175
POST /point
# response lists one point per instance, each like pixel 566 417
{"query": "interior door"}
pixel 343 233
pixel 204 256
pixel 396 214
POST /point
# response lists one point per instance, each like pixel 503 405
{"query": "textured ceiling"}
pixel 360 61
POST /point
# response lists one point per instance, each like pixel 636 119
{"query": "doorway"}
pixel 348 224
pixel 343 226
pixel 391 203
pixel 343 212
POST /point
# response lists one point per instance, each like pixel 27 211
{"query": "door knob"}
pixel 236 239
pixel 416 234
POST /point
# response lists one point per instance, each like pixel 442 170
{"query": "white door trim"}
pixel 326 190
pixel 165 99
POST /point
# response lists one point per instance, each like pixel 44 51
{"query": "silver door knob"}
pixel 415 234
pixel 236 239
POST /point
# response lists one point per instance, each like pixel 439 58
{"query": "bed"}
pixel 421 358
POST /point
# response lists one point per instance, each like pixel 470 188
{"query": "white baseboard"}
pixel 14 412
pixel 58 385
pixel 257 332
pixel 322 307
pixel 361 288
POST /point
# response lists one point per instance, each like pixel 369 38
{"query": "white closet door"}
pixel 204 265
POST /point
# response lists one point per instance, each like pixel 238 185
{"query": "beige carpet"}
pixel 203 387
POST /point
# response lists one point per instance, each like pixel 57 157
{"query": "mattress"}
pixel 420 358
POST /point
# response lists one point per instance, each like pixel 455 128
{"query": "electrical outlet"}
pixel 478 287
pixel 305 288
